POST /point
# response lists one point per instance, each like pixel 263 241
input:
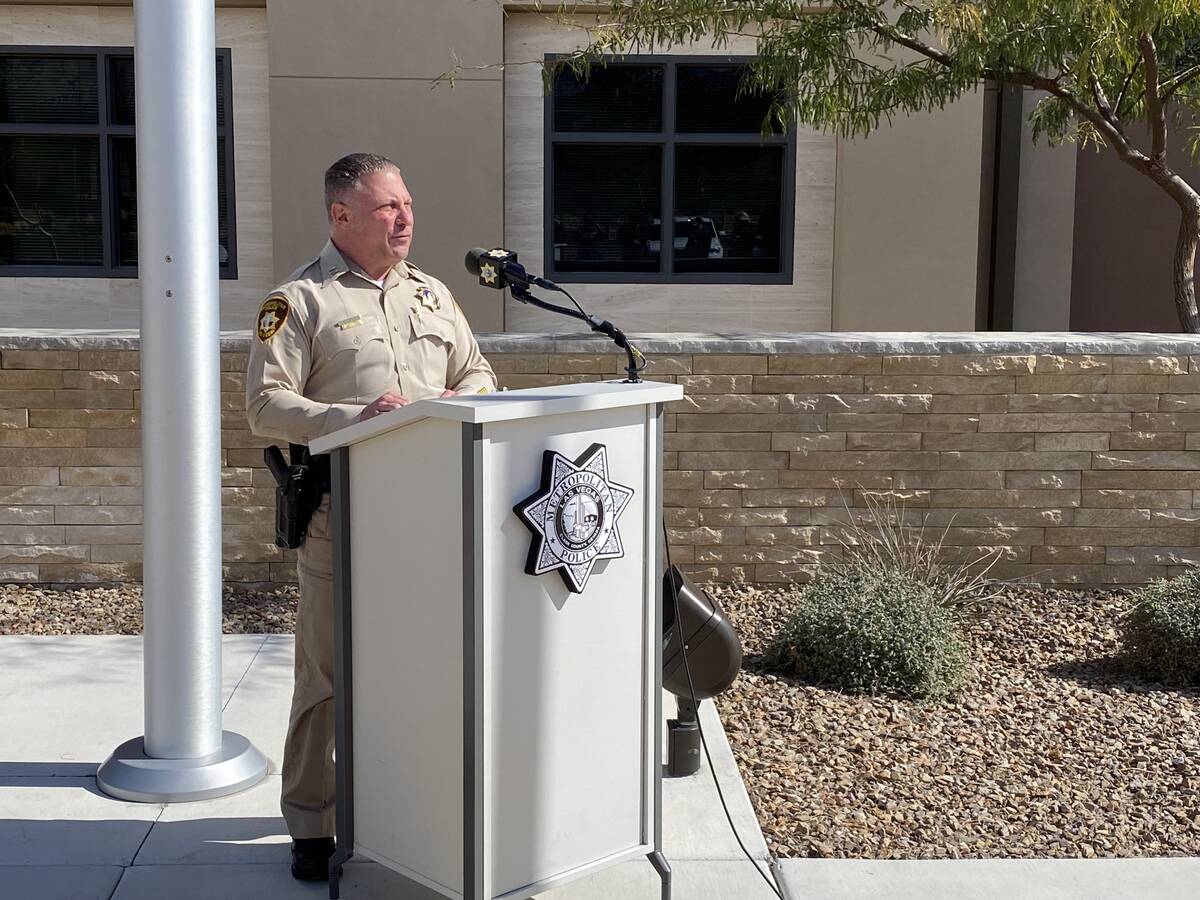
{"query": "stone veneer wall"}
pixel 1077 455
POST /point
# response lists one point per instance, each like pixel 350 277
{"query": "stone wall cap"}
pixel 859 342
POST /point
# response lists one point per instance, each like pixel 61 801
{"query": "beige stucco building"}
pixel 910 229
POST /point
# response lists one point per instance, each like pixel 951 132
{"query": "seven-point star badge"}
pixel 488 273
pixel 573 516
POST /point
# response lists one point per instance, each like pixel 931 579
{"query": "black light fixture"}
pixel 714 657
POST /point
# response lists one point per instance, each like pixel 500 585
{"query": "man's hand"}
pixel 386 403
pixel 448 393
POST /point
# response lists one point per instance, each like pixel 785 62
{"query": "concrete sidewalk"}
pixel 66 702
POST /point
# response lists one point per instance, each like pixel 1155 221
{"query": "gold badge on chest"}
pixel 428 299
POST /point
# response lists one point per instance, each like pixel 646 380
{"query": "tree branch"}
pixel 1154 106
pixel 1110 131
pixel 1125 87
pixel 927 50
pixel 1102 103
pixel 38 224
pixel 1171 85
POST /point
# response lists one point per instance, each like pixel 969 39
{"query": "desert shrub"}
pixel 867 632
pixel 881 541
pixel 1161 632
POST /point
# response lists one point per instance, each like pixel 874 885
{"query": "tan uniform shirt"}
pixel 329 341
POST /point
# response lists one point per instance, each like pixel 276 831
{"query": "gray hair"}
pixel 347 173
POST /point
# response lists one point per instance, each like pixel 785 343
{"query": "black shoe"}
pixel 310 858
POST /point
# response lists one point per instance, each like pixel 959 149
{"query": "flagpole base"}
pixel 129 774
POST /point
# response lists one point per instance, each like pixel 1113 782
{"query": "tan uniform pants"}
pixel 308 770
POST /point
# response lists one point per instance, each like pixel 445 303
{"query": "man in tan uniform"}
pixel 356 332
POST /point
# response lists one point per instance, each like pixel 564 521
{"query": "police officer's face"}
pixel 375 226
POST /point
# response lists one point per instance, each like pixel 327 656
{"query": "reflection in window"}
pixel 727 208
pixel 607 208
pixel 68 169
pixel 50 200
pixel 654 153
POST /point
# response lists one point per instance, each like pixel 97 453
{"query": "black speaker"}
pixel 714 656
pixel 713 649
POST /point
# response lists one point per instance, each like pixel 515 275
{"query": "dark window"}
pixel 666 134
pixel 68 165
pixel 709 101
pixel 620 235
pixel 616 98
pixel 727 208
pixel 49 90
pixel 50 208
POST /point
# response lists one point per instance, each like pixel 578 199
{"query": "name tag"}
pixel 352 322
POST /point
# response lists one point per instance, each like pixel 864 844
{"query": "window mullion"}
pixel 20 129
pixel 731 137
pixel 603 137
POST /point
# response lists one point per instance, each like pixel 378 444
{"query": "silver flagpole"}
pixel 184 754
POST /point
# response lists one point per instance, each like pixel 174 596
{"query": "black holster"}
pixel 299 488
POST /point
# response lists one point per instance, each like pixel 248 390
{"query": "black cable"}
pixel 636 352
pixel 687 668
pixel 563 290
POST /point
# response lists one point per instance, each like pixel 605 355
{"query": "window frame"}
pixel 105 131
pixel 668 139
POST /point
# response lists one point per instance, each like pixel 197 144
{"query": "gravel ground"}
pixel 1054 749
pixel 28 609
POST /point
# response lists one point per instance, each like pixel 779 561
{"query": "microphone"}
pixel 498 268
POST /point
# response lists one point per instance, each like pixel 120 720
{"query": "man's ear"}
pixel 339 213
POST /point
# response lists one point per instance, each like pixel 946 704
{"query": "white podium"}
pixel 499 731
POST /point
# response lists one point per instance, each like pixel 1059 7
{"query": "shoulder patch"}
pixel 271 316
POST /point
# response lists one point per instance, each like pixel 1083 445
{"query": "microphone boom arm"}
pixel 522 294
pixel 632 354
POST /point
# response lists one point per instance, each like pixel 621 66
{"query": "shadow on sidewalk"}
pixel 39 827
pixel 48 774
pixel 143 842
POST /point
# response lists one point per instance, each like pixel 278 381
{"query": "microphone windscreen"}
pixel 472 260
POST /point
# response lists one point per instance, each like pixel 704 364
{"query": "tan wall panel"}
pixel 907 235
pixel 451 164
pixel 1045 231
pixel 384 38
pixel 115 303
